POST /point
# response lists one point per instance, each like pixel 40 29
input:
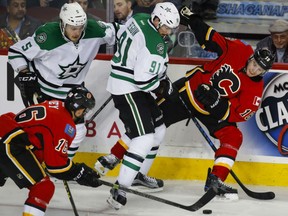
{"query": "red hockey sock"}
pixel 221 172
pixel 40 194
pixel 119 149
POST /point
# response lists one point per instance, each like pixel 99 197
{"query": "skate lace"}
pixel 223 184
pixel 121 193
pixel 149 179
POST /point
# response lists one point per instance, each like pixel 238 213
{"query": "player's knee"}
pixel 142 145
pixel 41 193
pixel 230 135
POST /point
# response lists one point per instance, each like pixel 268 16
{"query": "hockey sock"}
pixel 39 197
pixel 150 157
pixel 133 159
pixel 121 146
pixel 221 172
pixel 149 160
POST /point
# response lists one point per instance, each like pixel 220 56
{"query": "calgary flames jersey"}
pixel 226 74
pixel 50 130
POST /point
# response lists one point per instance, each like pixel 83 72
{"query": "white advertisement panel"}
pixel 261 132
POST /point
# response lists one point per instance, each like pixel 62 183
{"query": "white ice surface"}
pixel 92 202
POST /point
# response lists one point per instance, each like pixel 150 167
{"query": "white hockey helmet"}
pixel 167 14
pixel 73 14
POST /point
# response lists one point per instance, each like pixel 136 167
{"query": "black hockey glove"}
pixel 185 15
pixel 29 87
pixel 212 101
pixel 167 90
pixel 3 178
pixel 87 176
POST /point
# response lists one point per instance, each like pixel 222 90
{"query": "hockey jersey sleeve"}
pixel 109 29
pixel 24 51
pixel 207 37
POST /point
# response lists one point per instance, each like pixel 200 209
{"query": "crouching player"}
pixel 39 134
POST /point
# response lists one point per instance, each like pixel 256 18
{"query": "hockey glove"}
pixel 29 87
pixel 167 90
pixel 212 101
pixel 185 15
pixel 3 178
pixel 87 176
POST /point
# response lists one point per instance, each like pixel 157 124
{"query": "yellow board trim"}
pixel 253 173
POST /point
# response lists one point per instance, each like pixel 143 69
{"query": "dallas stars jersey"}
pixel 141 57
pixel 60 64
pixel 48 143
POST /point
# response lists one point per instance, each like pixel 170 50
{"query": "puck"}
pixel 207 211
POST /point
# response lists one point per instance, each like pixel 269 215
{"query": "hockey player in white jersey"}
pixel 139 69
pixel 58 56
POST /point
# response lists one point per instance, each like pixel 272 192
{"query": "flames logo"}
pixel 225 80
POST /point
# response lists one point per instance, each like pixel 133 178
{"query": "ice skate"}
pixel 117 197
pixel 146 184
pixel 224 191
pixel 106 163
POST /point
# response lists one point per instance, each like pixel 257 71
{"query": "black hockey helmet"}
pixel 264 58
pixel 79 98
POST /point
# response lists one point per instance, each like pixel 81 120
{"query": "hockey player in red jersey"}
pixel 220 93
pixel 42 134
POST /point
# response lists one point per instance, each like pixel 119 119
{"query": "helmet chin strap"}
pixel 62 28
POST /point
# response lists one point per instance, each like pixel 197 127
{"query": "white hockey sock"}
pixel 132 161
pixel 149 159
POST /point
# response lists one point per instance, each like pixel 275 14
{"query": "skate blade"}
pixel 227 197
pixel 100 169
pixel 144 189
pixel 113 203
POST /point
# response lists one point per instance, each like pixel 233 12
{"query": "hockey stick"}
pixel 70 198
pixel 99 110
pixel 256 195
pixel 209 195
pixel 65 182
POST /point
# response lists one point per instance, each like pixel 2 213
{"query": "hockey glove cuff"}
pixel 185 15
pixel 87 176
pixel 167 90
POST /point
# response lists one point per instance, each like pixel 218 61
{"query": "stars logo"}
pixel 168 9
pixel 71 70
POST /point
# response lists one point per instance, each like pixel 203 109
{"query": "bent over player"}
pixel 220 93
pixel 58 57
pixel 42 134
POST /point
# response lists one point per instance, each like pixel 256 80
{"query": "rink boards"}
pixel 185 154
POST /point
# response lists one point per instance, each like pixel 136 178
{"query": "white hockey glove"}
pixel 185 15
